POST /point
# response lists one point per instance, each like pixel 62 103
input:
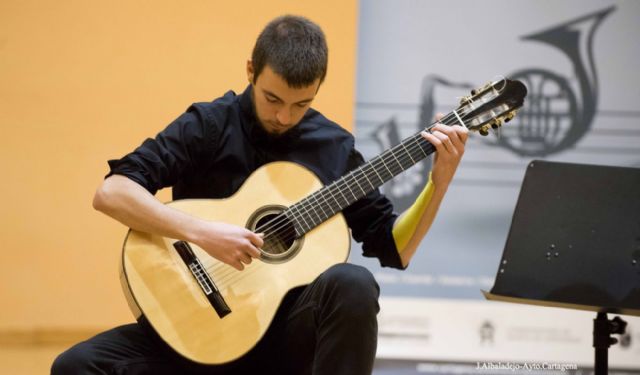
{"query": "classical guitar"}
pixel 211 313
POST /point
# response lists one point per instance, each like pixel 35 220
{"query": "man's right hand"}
pixel 230 244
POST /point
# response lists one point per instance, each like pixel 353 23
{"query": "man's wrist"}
pixel 194 230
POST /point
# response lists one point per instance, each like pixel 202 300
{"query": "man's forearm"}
pixel 414 223
pixel 132 205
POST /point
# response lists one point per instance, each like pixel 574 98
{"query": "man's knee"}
pixel 350 274
pixel 355 285
pixel 72 361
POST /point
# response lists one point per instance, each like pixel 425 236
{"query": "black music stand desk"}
pixel 574 242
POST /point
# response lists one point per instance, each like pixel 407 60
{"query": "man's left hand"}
pixel 449 142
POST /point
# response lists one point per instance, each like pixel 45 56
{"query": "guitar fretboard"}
pixel 485 108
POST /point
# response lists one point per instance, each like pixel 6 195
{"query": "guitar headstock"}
pixel 490 106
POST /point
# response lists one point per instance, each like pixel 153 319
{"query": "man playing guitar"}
pixel 326 327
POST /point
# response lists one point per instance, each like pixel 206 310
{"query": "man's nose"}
pixel 284 116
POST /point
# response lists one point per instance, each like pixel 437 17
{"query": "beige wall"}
pixel 85 81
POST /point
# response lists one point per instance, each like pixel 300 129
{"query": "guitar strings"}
pixel 229 275
pixel 275 226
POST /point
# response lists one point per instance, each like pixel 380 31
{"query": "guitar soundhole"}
pixel 280 242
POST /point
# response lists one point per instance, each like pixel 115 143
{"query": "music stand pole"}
pixel 602 340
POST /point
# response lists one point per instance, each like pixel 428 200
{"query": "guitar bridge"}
pixel 203 279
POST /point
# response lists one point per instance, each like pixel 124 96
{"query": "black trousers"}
pixel 326 328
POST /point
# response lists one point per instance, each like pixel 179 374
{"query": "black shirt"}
pixel 211 149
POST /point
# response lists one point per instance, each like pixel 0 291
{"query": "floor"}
pixel 36 359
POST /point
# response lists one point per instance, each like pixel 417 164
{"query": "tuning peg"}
pixel 483 132
pixel 495 124
pixel 474 91
pixel 509 116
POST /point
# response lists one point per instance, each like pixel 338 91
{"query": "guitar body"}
pixel 158 283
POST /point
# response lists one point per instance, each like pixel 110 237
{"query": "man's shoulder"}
pixel 218 108
pixel 317 121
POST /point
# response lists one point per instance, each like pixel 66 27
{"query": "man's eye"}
pixel 302 105
pixel 271 100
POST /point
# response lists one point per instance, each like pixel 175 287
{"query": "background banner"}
pixel 417 58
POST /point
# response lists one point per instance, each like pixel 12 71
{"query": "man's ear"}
pixel 250 71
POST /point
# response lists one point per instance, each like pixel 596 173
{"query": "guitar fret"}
pixel 334 208
pixel 378 169
pixel 397 161
pixel 333 196
pixel 374 174
pixel 304 214
pixel 365 176
pixel 296 223
pixel 408 153
pixel 326 203
pixel 301 216
pixel 309 211
pixel 340 191
pixel 420 146
pixel 385 165
pixel 315 207
pixel 350 190
pixel 323 211
pixel 380 178
pixel 357 183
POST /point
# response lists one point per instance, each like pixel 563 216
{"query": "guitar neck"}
pixel 335 197
pixel 487 107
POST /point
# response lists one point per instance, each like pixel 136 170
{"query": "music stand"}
pixel 574 242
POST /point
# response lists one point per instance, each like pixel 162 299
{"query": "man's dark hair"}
pixel 295 48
